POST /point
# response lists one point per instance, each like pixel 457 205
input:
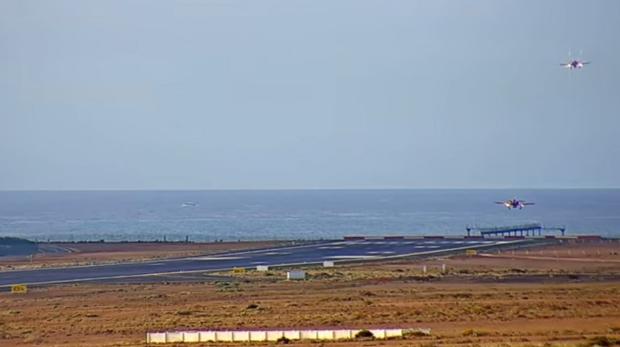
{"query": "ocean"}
pixel 294 214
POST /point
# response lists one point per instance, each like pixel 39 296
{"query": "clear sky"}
pixel 217 94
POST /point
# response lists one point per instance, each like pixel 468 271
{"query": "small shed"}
pixel 296 275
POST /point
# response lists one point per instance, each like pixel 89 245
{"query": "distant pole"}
pixel 443 268
pixel 424 269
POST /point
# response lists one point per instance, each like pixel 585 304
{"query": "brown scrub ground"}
pixel 506 299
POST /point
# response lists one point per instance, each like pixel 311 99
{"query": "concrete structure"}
pixel 262 268
pixel 270 335
pixel 296 275
pixel 328 264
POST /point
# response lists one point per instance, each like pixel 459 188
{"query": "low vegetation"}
pixel 364 335
pixel 462 309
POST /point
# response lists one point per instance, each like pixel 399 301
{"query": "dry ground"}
pixel 485 301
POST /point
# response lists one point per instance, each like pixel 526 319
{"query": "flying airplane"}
pixel 514 203
pixel 575 64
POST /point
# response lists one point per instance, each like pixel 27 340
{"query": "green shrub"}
pixel 283 340
pixel 364 334
pixel 602 341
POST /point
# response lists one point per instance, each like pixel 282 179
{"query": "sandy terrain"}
pixel 486 301
pixel 106 253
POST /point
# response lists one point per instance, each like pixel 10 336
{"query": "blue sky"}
pixel 308 94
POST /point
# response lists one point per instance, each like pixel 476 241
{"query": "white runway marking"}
pixel 219 258
pixel 352 257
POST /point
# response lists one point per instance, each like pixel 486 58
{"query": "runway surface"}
pixel 316 253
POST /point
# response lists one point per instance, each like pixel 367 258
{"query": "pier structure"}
pixel 523 230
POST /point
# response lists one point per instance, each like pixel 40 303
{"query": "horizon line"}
pixel 301 189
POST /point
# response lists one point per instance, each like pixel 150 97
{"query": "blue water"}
pixel 301 214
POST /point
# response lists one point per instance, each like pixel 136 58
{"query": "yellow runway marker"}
pixel 19 289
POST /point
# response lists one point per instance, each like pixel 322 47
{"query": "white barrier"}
pixel 258 336
pixel 191 336
pixel 291 335
pixel 175 337
pixel 268 335
pixel 225 336
pixel 309 334
pixel 206 336
pixel 274 335
pixel 156 337
pixel 342 334
pixel 241 336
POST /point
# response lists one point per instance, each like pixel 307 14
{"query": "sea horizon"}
pixel 230 215
pixel 300 189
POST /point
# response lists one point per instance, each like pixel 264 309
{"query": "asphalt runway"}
pixel 316 253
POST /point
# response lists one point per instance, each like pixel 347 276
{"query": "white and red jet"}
pixel 514 203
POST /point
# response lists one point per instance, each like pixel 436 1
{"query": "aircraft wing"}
pixel 500 202
pixel 529 203
pixel 585 62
